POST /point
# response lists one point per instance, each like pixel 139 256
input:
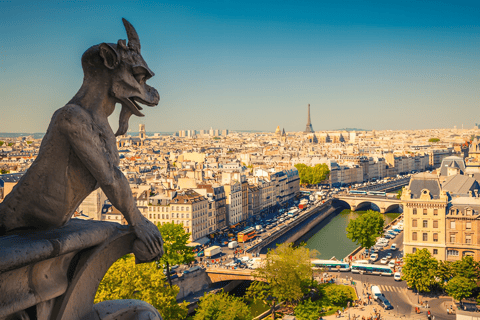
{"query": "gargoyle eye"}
pixel 140 77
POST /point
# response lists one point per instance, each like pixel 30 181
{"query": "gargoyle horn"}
pixel 133 39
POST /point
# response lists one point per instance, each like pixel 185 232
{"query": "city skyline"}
pixel 253 66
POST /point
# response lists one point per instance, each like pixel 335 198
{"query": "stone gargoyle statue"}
pixel 78 153
pixel 49 267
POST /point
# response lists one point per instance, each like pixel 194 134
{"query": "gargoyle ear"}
pixel 109 55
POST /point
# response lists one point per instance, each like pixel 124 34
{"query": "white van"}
pixel 376 292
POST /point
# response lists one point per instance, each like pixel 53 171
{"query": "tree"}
pixel 175 246
pixel 308 310
pixel 433 140
pixel 339 295
pixel 1 143
pixel 419 270
pixel 287 272
pixel 399 193
pixel 312 175
pixel 444 272
pixel 222 306
pixel 466 268
pixel 460 287
pixel 261 291
pixel 365 229
pixel 125 280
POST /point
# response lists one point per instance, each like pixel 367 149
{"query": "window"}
pixel 187 208
pixel 425 237
pixel 188 215
pixel 414 250
pixel 414 210
pixel 150 216
pixel 424 212
pixel 435 212
pixel 414 223
pixel 435 223
pixel 468 225
pixel 182 215
pixel 167 217
pixel 414 236
pixel 182 209
pixel 425 223
pixel 452 252
pixel 435 237
pixel 452 237
pixel 468 238
pixel 435 251
pixel 452 224
pixel 163 216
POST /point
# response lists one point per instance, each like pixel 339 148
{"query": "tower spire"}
pixel 309 128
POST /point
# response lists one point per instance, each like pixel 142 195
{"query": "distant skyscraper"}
pixel 309 128
pixel 216 133
pixel 210 132
pixel 225 132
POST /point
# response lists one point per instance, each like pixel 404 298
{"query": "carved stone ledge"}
pixel 55 274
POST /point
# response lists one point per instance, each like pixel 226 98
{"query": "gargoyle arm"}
pixel 89 146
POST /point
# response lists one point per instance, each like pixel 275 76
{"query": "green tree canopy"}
pixel 308 310
pixel 460 287
pixel 287 272
pixel 365 229
pixel 433 140
pixel 125 280
pixel 312 175
pixel 466 268
pixel 175 247
pixel 339 295
pixel 444 272
pixel 222 306
pixel 419 270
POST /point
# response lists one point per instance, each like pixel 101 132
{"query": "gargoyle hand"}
pixel 149 235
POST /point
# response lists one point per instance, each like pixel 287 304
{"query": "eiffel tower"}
pixel 309 128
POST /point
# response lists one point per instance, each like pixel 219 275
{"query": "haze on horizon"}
pixel 253 65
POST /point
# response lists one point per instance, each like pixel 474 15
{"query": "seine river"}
pixel 330 236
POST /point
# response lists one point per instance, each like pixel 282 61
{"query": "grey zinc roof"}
pixel 452 162
pixel 422 181
pixel 460 184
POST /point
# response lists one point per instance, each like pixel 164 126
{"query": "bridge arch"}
pixel 393 207
pixel 343 204
pixel 365 205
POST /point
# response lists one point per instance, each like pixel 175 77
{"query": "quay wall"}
pixel 296 229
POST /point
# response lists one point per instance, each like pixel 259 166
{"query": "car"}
pixel 384 261
pixel 397 276
pixel 374 256
pixel 391 264
pixel 382 301
pixel 389 255
pixel 389 236
pixel 192 269
pixel 173 276
pixel 393 247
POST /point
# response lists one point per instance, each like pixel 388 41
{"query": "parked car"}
pixel 192 269
pixel 397 276
pixel 389 255
pixel 391 264
pixel 374 256
pixel 382 301
pixel 384 261
pixel 393 247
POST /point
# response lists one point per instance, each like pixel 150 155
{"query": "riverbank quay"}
pixel 295 229
pixel 357 253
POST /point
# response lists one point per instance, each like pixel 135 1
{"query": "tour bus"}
pixel 371 269
pixel 357 192
pixel 377 193
pixel 331 265
pixel 246 234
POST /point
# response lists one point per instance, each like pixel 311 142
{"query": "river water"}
pixel 330 236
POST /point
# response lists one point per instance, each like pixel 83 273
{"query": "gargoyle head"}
pixel 127 73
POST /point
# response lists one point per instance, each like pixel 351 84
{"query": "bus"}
pixel 357 192
pixel 377 193
pixel 371 269
pixel 330 265
pixel 246 234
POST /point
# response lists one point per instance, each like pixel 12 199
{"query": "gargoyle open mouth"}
pixel 133 104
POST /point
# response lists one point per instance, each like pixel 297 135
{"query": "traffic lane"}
pixel 438 309
pixel 394 291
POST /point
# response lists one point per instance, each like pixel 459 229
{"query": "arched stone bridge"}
pixel 358 202
pixel 219 274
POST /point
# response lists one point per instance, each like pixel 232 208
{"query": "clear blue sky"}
pixel 254 65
